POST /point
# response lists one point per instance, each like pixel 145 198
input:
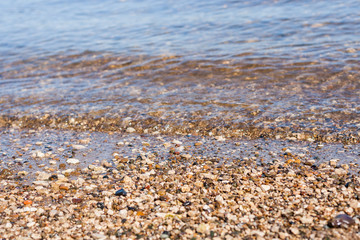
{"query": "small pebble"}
pixel 130 130
pixel 76 200
pixel 165 235
pixel 121 192
pixel 341 220
pixel 73 161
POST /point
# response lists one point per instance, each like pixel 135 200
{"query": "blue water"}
pixel 204 28
pixel 291 63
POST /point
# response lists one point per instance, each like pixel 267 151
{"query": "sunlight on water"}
pixel 259 64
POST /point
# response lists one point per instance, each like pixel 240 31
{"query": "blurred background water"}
pixel 260 63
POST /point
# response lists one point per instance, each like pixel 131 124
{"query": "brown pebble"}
pixel 77 200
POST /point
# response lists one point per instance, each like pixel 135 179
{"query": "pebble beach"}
pixel 173 187
pixel 193 120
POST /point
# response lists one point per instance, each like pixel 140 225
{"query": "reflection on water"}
pixel 182 65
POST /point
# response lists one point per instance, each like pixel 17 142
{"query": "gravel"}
pixel 223 190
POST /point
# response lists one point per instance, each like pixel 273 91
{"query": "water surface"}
pixel 257 68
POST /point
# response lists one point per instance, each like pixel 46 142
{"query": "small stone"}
pixel 28 202
pixel 203 228
pixel 340 171
pixel 171 172
pixel 53 212
pixel 42 176
pixel 355 204
pixel 53 177
pixel 76 200
pixel 99 236
pixel 130 130
pixel 63 187
pixel 333 162
pixel 306 219
pixel 310 162
pixel 345 166
pixel 185 188
pixel 78 147
pixel 145 144
pixel 186 156
pixel 176 142
pixel 35 235
pixel 219 199
pixel 85 141
pixel 220 138
pixel 38 154
pixel 166 144
pixel 265 188
pixel 73 161
pixel 165 234
pixel 295 230
pixel 123 213
pixel 341 220
pixel 62 166
pixel 23 173
pixel 121 192
pixel 100 205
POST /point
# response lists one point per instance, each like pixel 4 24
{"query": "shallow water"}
pixel 18 150
pixel 264 68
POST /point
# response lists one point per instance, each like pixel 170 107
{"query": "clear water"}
pixel 244 64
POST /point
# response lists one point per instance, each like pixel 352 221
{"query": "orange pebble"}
pixel 140 213
pixel 28 202
pixel 63 187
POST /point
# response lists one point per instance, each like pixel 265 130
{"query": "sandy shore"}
pixel 82 186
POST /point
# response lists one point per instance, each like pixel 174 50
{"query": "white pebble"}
pixel 73 161
pixel 220 138
pixel 176 142
pixel 130 130
pixel 78 147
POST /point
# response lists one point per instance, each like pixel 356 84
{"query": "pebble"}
pixel 341 221
pixel 201 198
pixel 306 219
pixel 23 173
pixel 130 130
pixel 340 171
pixel 28 202
pixel 121 192
pixel 333 162
pixel 294 230
pixel 186 156
pixel 77 200
pixel 165 235
pixel 185 188
pixel 42 176
pixel 78 147
pixel 38 154
pixel 177 142
pixel 73 161
pixel 220 138
pixel 203 228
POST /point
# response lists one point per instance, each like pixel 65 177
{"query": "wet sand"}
pixel 96 185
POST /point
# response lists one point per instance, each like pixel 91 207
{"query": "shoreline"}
pixel 176 187
pixel 154 123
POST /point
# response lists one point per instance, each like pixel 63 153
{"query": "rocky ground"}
pixel 51 193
